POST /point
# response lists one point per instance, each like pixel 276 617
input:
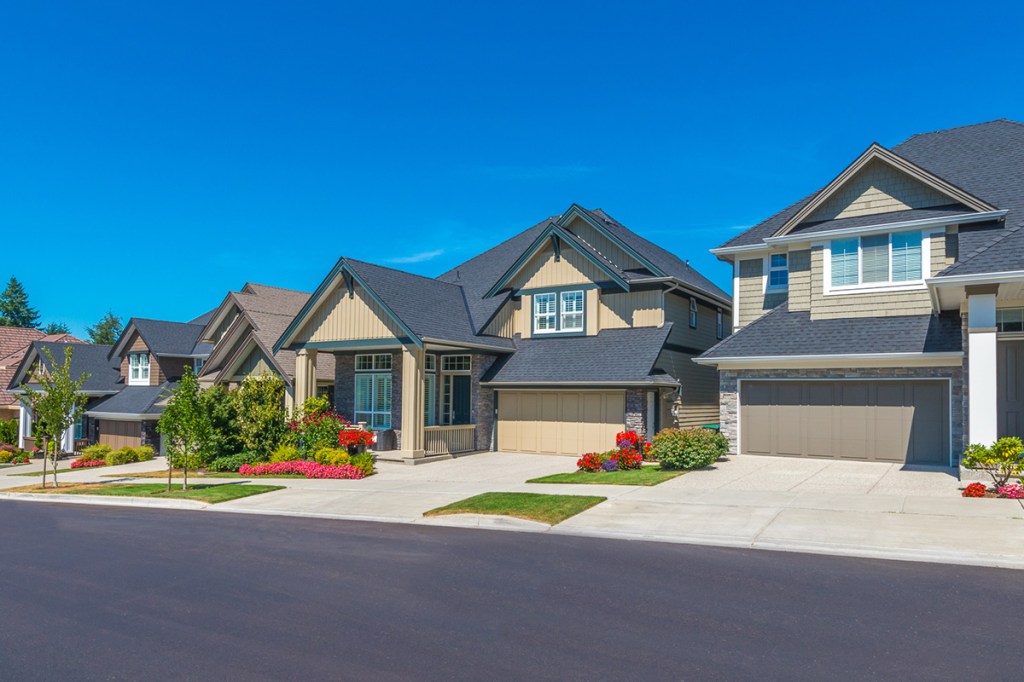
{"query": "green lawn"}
pixel 643 476
pixel 213 494
pixel 195 474
pixel 550 509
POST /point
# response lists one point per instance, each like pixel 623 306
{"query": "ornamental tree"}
pixel 185 423
pixel 1002 460
pixel 58 402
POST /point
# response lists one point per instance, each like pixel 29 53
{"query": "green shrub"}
pixel 8 456
pixel 8 430
pixel 260 404
pixel 363 461
pixel 225 435
pixel 232 462
pixel 95 453
pixel 129 455
pixel 285 453
pixel 1002 460
pixel 688 448
pixel 332 456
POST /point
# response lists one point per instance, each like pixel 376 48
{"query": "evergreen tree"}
pixel 56 328
pixel 105 331
pixel 14 308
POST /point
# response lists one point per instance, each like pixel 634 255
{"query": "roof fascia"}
pixel 553 229
pixel 125 335
pixel 835 359
pixel 223 349
pixel 879 228
pixel 577 210
pixel 877 151
pixel 215 321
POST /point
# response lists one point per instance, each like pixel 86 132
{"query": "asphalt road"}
pixel 106 593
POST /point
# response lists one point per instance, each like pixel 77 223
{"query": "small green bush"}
pixel 693 448
pixel 332 456
pixel 1002 460
pixel 285 453
pixel 129 455
pixel 8 456
pixel 363 461
pixel 8 430
pixel 95 453
pixel 233 462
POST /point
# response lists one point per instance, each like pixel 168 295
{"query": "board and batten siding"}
pixel 254 364
pixel 340 318
pixel 606 247
pixel 543 270
pixel 507 321
pixel 677 311
pixel 633 309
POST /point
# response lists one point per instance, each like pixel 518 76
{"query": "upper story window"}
pixel 778 271
pixel 693 313
pixel 559 312
pixel 719 326
pixel 373 363
pixel 138 369
pixel 875 260
pixel 456 363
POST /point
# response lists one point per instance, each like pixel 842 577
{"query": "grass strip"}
pixel 550 509
pixel 213 494
pixel 646 476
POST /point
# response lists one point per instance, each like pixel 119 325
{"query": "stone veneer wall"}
pixel 729 398
pixel 636 411
pixel 150 436
pixel 482 402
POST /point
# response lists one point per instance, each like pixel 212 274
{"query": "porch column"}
pixel 305 375
pixel 413 362
pixel 68 440
pixel 25 424
pixel 982 424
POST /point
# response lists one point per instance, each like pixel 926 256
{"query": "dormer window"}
pixel 138 369
pixel 559 312
pixel 778 272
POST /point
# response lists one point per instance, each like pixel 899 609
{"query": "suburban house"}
pixel 882 317
pixel 128 382
pixel 14 343
pixel 242 332
pixel 551 342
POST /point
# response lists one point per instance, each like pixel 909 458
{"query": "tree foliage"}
pixel 261 416
pixel 14 308
pixel 106 331
pixel 1002 460
pixel 56 328
pixel 58 401
pixel 222 407
pixel 186 425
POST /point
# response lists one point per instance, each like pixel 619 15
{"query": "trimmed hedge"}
pixel 129 455
pixel 694 448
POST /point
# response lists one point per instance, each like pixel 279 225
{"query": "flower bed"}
pixel 88 463
pixel 629 455
pixel 304 468
pixel 1011 491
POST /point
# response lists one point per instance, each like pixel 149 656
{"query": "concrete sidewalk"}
pixel 844 508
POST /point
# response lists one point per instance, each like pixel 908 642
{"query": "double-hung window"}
pixel 138 369
pixel 778 271
pixel 878 259
pixel 559 313
pixel 373 390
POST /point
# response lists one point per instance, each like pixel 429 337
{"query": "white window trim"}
pixel 768 269
pixel 468 370
pixel 553 315
pixel 373 362
pixel 877 287
pixel 375 376
pixel 562 313
pixel 140 380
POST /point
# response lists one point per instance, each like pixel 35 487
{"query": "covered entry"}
pixel 874 420
pixel 560 422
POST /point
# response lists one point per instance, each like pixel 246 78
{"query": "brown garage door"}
pixel 559 422
pixel 887 421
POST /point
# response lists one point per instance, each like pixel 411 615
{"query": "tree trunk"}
pixel 169 467
pixel 55 442
pixel 44 460
pixel 184 467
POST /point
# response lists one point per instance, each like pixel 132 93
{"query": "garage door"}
pixel 559 422
pixel 886 421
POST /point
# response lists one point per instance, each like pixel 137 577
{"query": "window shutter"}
pixel 844 262
pixel 364 392
pixel 875 250
pixel 906 257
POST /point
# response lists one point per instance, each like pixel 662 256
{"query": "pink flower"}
pixel 304 468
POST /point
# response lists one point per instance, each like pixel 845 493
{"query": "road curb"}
pixel 105 500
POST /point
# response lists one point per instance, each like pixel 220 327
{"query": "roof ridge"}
pixel 962 127
pixel 1007 231
pixel 433 280
pixel 151 319
pixel 549 219
pixel 271 286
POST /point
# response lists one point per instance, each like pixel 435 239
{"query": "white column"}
pixel 25 430
pixel 981 367
pixel 68 441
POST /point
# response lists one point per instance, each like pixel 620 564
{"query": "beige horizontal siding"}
pixel 917 302
pixel 751 298
pixel 878 188
pixel 698 402
pixel 943 250
pixel 800 280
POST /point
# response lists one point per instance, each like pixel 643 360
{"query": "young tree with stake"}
pixel 185 424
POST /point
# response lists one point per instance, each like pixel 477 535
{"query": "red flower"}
pixel 975 490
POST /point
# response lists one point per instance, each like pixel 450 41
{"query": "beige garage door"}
pixel 560 422
pixel 887 421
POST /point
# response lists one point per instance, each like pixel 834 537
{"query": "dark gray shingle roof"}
pixel 614 355
pixel 171 338
pixel 985 160
pixel 134 400
pixel 86 358
pixel 781 332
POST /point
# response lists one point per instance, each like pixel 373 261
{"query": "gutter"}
pixel 980 278
pixel 121 416
pixel 782 360
pixel 679 284
pixel 581 384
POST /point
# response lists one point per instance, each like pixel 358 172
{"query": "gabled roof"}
pixel 612 357
pixel 17 339
pixel 88 358
pixel 782 332
pixel 135 401
pixel 983 162
pixel 14 343
pixel 165 338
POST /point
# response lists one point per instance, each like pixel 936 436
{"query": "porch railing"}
pixel 448 440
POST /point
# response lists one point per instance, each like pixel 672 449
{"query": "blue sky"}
pixel 154 156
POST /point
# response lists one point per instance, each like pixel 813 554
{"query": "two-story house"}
pixel 882 317
pixel 551 342
pixel 14 344
pixel 242 332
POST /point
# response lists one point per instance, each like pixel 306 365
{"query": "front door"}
pixel 1009 383
pixel 460 399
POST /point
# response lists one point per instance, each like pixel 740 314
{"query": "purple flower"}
pixel 610 465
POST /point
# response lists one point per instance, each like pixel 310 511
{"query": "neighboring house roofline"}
pixel 668 381
pixel 835 359
pixel 250 342
pixel 873 152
